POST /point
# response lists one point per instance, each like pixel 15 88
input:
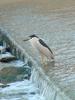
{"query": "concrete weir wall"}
pixel 15 48
pixel 46 86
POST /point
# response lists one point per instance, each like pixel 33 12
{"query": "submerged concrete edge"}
pixel 47 87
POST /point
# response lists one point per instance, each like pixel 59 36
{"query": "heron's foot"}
pixel 47 62
pixel 44 62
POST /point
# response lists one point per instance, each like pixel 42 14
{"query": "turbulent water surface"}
pixel 24 90
pixel 15 81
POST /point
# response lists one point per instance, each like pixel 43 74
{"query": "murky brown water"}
pixel 40 4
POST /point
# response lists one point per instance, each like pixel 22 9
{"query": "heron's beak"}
pixel 28 38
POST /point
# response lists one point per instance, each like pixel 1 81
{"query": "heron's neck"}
pixel 34 41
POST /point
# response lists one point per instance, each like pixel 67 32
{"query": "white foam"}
pixel 6 55
pixel 23 89
pixel 17 63
pixel 2 49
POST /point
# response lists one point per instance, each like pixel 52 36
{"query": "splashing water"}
pixel 19 90
pixel 22 90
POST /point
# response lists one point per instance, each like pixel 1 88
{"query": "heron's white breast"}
pixel 34 42
pixel 38 46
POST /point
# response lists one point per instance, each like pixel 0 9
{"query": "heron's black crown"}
pixel 32 36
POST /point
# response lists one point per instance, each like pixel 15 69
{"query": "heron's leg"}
pixel 43 59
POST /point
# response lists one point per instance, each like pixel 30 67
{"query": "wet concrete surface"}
pixel 12 69
pixel 57 28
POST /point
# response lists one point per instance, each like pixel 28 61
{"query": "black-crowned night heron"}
pixel 41 46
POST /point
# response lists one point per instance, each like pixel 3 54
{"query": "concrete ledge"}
pixel 47 87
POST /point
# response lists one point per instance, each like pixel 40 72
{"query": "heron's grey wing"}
pixel 45 45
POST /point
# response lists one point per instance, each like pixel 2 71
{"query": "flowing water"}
pixel 21 88
pixel 57 28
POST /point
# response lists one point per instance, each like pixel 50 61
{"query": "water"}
pixel 24 90
pixel 19 90
pixel 57 28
